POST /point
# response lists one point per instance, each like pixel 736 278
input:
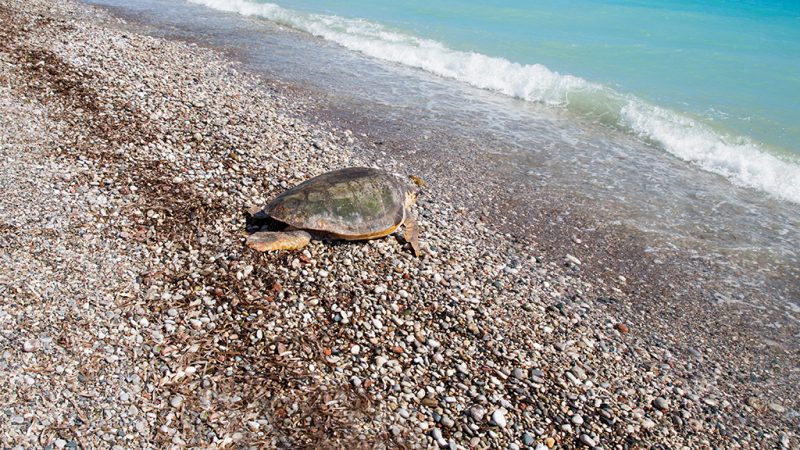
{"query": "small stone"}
pixel 447 421
pixel 437 436
pixel 527 439
pixel 647 424
pixel 661 403
pixel 60 443
pixel 499 417
pixel 622 328
pixel 31 345
pixel 777 407
pixel 176 401
pixel 577 419
pixel 550 442
pixel 477 412
pixel 356 349
pixel 578 372
pixel 573 260
pixel 587 440
pixel 518 374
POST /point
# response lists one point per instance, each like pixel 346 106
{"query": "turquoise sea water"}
pixel 713 83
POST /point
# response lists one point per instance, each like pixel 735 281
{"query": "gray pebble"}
pixel 437 436
pixel 527 439
pixel 31 345
pixel 176 401
pixel 587 440
pixel 477 412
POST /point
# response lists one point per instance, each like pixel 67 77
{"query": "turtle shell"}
pixel 352 203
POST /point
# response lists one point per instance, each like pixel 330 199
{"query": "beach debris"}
pixel 356 203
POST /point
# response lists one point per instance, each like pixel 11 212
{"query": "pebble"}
pixel 176 401
pixel 577 419
pixel 499 418
pixel 527 439
pixel 578 372
pixel 437 436
pixel 661 403
pixel 777 407
pixel 588 440
pixel 477 412
pixel 30 346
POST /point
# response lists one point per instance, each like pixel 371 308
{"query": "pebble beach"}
pixel 132 315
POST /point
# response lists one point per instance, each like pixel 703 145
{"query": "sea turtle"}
pixel 353 204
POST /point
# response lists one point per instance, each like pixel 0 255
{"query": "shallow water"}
pixel 552 152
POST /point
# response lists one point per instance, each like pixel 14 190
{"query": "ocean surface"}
pixel 678 118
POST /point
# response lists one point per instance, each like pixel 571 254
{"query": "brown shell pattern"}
pixel 348 202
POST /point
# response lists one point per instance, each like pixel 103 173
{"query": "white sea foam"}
pixel 738 159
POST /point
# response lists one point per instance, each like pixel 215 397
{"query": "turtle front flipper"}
pixel 411 233
pixel 265 241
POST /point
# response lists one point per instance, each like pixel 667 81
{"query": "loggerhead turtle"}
pixel 353 204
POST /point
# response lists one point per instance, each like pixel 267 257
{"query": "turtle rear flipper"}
pixel 265 241
pixel 411 233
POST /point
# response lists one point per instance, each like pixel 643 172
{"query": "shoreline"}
pixel 339 345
